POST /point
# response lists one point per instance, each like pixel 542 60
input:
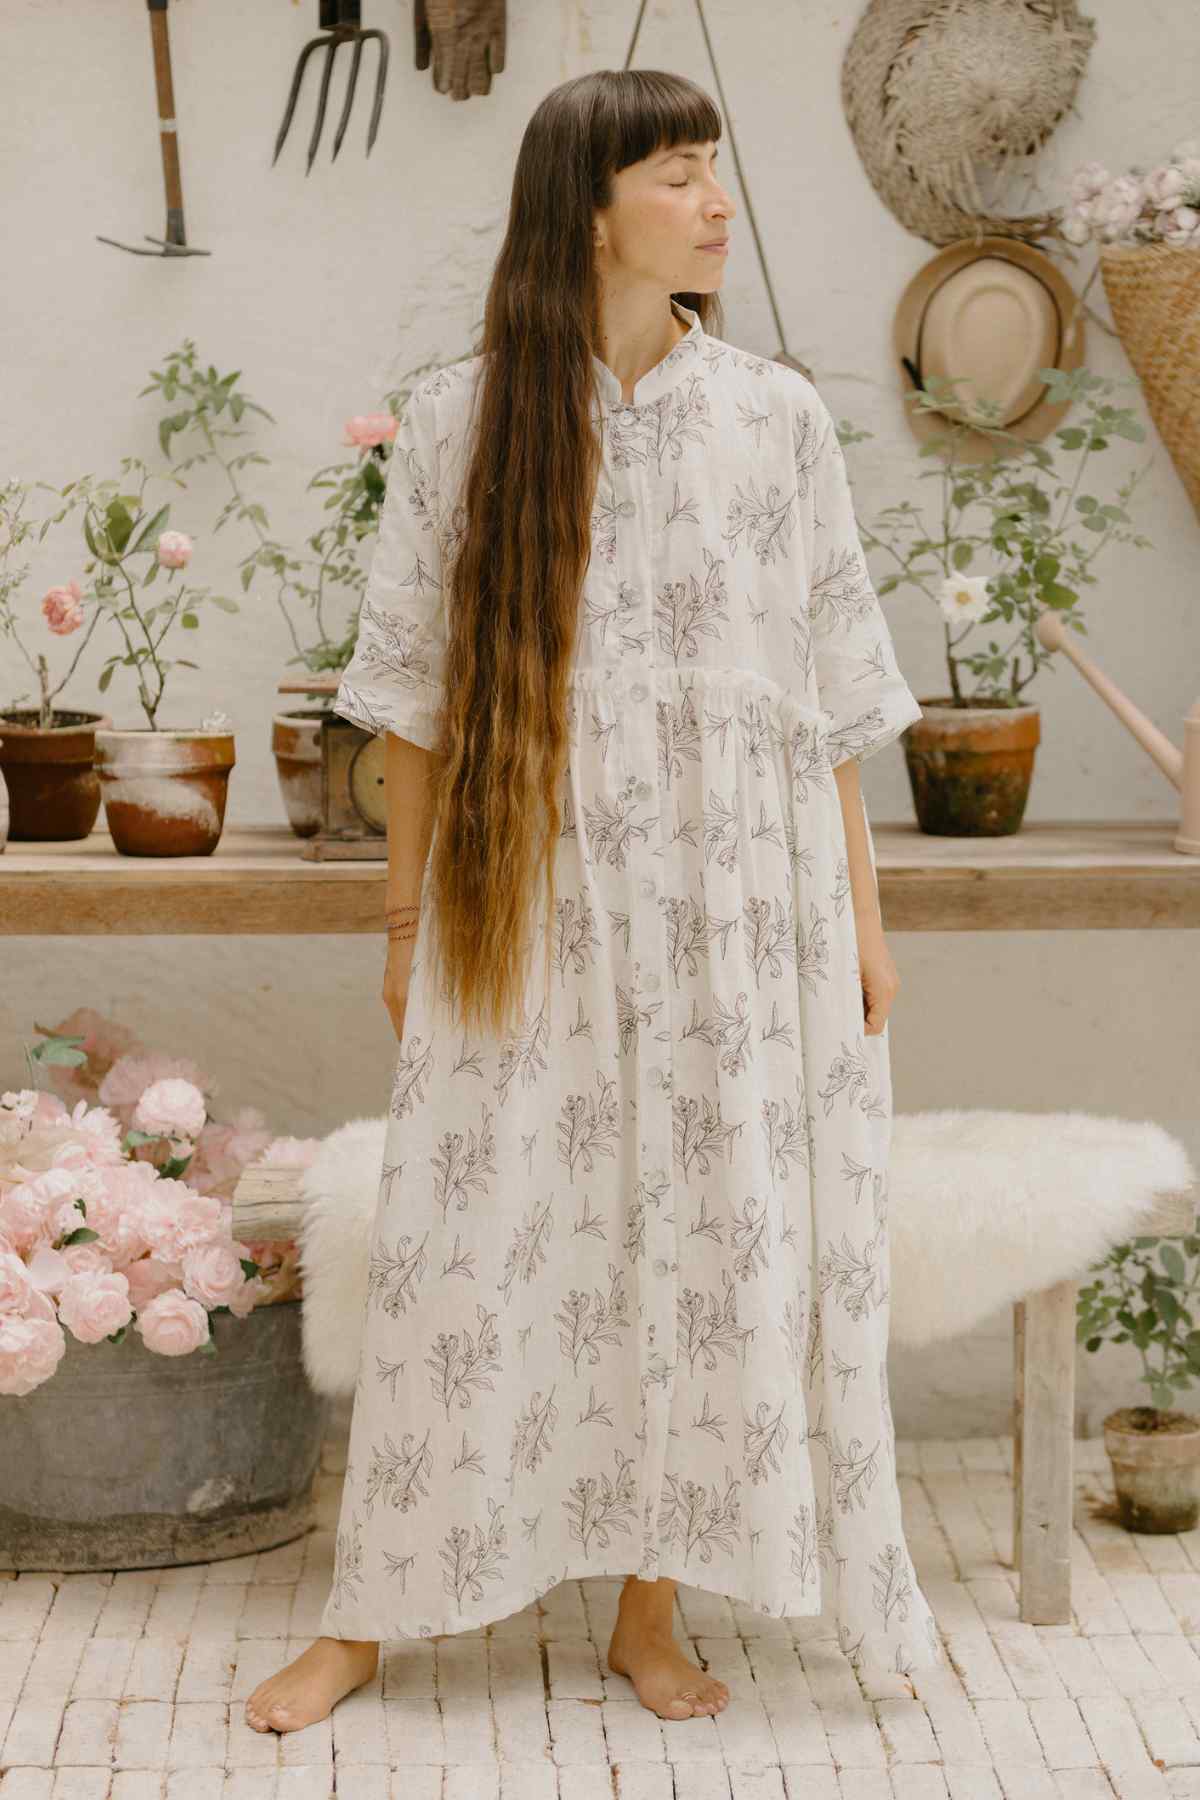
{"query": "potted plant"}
pixel 326 581
pixel 1143 1295
pixel 1146 223
pixel 120 1281
pixel 164 787
pixel 1011 536
pixel 47 752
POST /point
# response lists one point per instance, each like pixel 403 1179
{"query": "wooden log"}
pixel 268 1206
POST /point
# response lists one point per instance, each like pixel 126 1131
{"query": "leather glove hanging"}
pixel 464 39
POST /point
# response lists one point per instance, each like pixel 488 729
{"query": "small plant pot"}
pixel 53 789
pixel 970 767
pixel 164 791
pixel 296 742
pixel 1155 1458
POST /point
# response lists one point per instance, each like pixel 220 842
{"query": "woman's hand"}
pixel 395 980
pixel 877 973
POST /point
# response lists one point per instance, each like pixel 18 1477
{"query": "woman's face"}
pixel 664 210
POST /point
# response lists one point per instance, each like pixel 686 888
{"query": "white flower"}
pixel 1178 227
pixel 1088 181
pixel 1118 207
pixel 964 598
pixel 1164 188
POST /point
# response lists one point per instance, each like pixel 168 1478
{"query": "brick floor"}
pixel 129 1686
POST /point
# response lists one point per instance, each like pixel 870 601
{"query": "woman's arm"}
pixel 407 772
pixel 877 971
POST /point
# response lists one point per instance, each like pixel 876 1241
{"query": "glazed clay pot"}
pixel 164 791
pixel 1155 1458
pixel 296 741
pixel 970 767
pixel 53 790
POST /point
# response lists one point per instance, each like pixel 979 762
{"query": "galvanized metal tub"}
pixel 128 1460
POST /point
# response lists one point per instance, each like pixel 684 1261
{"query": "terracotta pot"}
pixel 53 790
pixel 1155 1458
pixel 970 767
pixel 296 741
pixel 3 809
pixel 164 791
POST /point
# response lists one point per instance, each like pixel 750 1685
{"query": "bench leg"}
pixel 1043 1451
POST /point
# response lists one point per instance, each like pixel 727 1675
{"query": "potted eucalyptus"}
pixel 1012 536
pixel 49 790
pixel 326 582
pixel 1143 1295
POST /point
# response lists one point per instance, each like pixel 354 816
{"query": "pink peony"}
pixel 16 1288
pixel 223 1150
pixel 148 1278
pixel 176 1219
pixel 22 1216
pixel 213 1275
pixel 173 1324
pixel 93 1306
pixel 103 1041
pixel 171 1108
pixel 127 1080
pixel 174 549
pixel 49 1269
pixel 30 1351
pixel 84 1259
pixel 63 608
pixel 365 430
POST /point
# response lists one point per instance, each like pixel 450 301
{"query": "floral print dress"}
pixel 628 1295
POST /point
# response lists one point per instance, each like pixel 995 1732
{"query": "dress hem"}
pixel 352 1623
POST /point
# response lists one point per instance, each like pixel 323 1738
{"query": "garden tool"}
pixel 342 20
pixel 465 39
pixel 175 243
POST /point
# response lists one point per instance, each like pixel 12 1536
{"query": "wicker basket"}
pixel 1154 293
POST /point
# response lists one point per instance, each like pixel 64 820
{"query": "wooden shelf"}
pixel 1113 875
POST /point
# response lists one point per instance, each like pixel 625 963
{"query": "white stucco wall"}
pixel 326 290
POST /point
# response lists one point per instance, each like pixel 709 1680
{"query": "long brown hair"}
pixel 524 534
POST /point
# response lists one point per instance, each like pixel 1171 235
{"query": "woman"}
pixel 629 1276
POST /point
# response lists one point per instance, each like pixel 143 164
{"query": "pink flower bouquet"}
pixel 98 1231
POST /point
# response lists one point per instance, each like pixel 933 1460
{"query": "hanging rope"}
pixel 785 354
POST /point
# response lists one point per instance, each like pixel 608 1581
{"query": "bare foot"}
pixel 310 1687
pixel 662 1675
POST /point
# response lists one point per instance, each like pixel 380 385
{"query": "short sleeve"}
pixel 393 681
pixel 858 680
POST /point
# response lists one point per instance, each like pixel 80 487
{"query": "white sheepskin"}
pixel 985 1206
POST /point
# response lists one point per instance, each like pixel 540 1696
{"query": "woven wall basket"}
pixel 1154 293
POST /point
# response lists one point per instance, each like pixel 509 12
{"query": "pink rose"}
pixel 63 608
pixel 30 1351
pixel 171 1108
pixel 16 1288
pixel 87 1259
pixel 368 429
pixel 173 1325
pixel 214 1277
pixel 148 1278
pixel 174 549
pixel 93 1306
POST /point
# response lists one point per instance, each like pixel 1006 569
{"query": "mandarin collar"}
pixel 678 362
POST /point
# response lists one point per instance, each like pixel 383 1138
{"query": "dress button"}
pixel 643 790
pixel 651 982
pixel 648 889
pixel 638 690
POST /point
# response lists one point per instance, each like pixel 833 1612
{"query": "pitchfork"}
pixel 342 20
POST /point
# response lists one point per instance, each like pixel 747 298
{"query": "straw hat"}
pixel 936 91
pixel 989 312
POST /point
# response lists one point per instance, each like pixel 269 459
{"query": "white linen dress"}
pixel 628 1297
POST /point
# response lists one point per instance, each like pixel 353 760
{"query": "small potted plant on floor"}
pixel 1143 1295
pixel 47 751
pixel 164 786
pixel 1011 537
pixel 205 413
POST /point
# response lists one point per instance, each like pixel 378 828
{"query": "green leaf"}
pixel 118 1336
pixel 120 524
pixel 1172 1262
pixel 82 1234
pixel 157 523
pixel 249 1269
pixel 189 621
pixel 963 555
